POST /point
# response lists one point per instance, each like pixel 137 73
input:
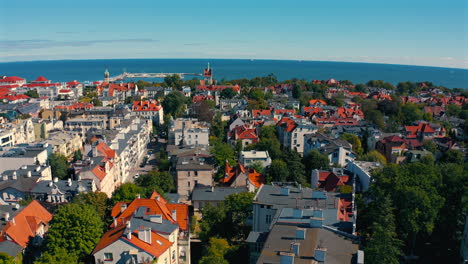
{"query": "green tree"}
pixel 382 245
pixel 216 251
pixel 77 155
pixel 173 104
pixel 228 93
pixel 453 110
pixel 278 171
pixel 222 152
pixel 59 256
pixel 98 200
pixel 410 113
pixel 126 193
pixel 76 229
pixel 376 118
pixel 155 179
pixel 257 166
pixel 316 160
pixel 32 94
pixel 452 156
pixel 173 81
pixel 59 166
pixel 296 91
pixel 96 102
pixel 429 145
pixel 295 166
pixel 374 156
pixel 256 94
pixel 355 141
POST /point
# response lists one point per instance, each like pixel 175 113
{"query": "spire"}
pixel 208 68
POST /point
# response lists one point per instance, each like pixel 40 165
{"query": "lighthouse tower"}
pixel 208 75
pixel 106 76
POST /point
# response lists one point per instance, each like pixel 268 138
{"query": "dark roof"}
pixel 10 248
pixel 339 249
pixel 215 193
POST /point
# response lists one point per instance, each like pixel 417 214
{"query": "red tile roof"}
pixel 154 207
pixel 41 79
pixel 259 112
pixel 105 150
pixel 11 79
pixel 146 106
pixel 26 223
pixel 158 245
pixel 317 101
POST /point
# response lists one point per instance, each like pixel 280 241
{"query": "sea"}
pixel 92 70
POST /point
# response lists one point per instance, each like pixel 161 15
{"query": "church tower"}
pixel 208 75
pixel 106 76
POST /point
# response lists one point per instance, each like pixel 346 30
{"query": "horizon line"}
pixel 251 59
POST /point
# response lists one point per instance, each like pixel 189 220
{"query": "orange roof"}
pixel 287 123
pixel 317 101
pixel 154 207
pixel 258 112
pixel 158 245
pixel 181 214
pixel 105 150
pixel 256 178
pixel 99 171
pixel 141 106
pixel 26 223
pixel 41 79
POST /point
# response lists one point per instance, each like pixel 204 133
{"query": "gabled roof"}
pixel 146 106
pixel 41 79
pixel 105 150
pixel 153 207
pixel 26 223
pixel 158 245
pixel 11 79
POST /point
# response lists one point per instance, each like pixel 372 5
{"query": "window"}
pixel 196 173
pixel 108 257
pixel 173 254
pixel 268 219
pixel 188 184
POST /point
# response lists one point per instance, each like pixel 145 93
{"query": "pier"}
pixel 126 75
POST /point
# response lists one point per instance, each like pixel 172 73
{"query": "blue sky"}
pixel 415 32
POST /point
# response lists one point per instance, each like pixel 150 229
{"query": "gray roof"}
pixel 193 163
pixel 215 194
pixel 302 199
pixel 13 210
pixel 10 248
pixel 165 227
pixel 63 186
pixel 338 249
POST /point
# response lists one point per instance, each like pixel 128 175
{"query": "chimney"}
pixel 295 248
pixel 174 215
pixel 360 257
pixel 94 151
pixel 7 216
pixel 320 254
pixel 212 188
pixel 316 222
pixel 115 221
pixel 14 177
pixel 123 207
pixel 297 213
pixel 314 179
pixel 29 174
pixel 69 182
pixel 284 191
pixel 138 196
pixel 301 233
pixel 144 234
pixel 156 219
pixel 318 213
pixel 286 258
pixel 55 179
